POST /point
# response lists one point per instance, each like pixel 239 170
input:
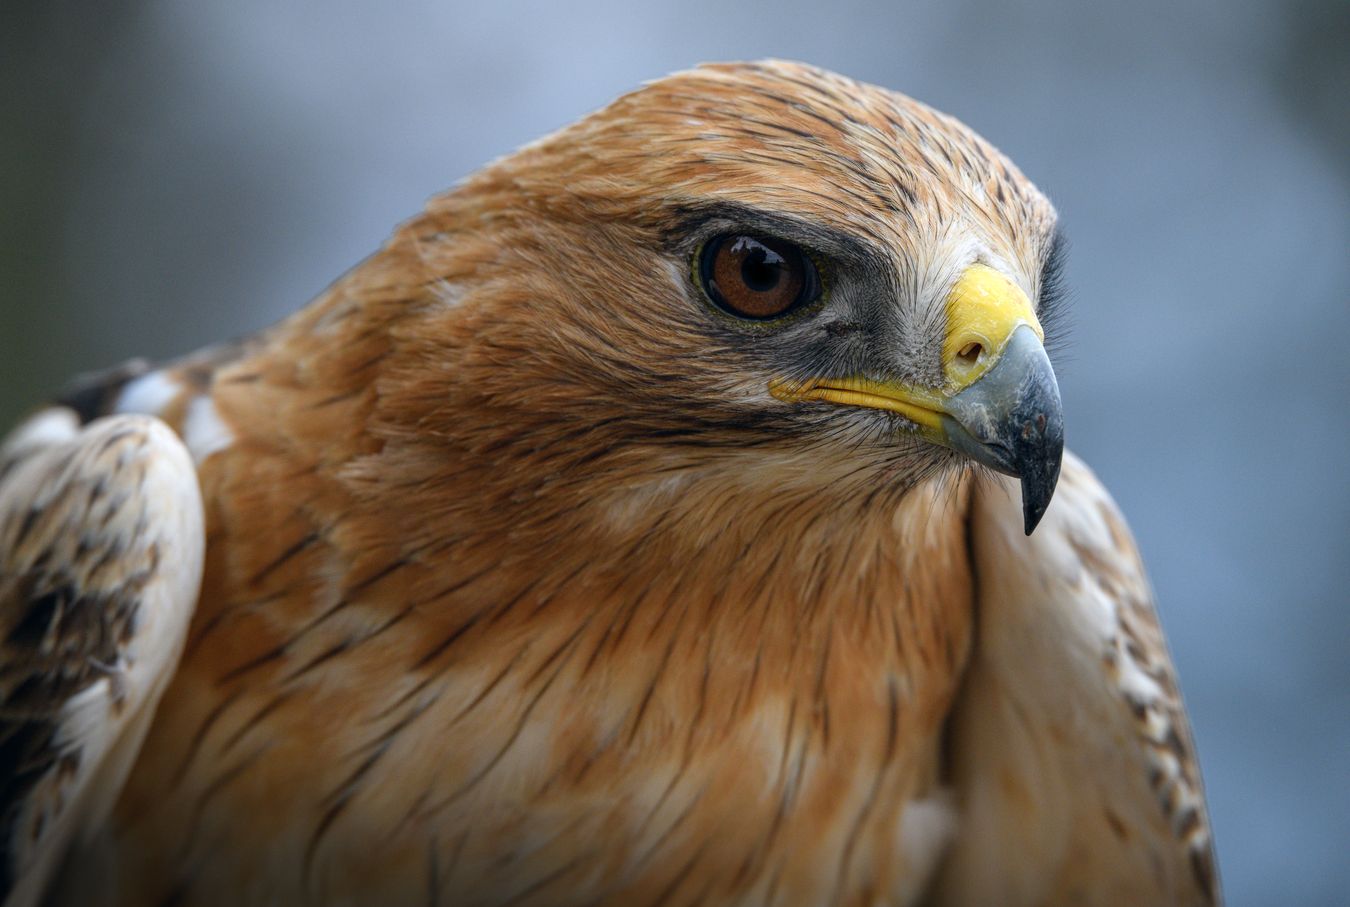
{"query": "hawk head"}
pixel 752 258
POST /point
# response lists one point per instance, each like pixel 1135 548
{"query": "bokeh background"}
pixel 172 173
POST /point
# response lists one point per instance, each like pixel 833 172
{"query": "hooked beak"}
pixel 1011 420
pixel 1000 402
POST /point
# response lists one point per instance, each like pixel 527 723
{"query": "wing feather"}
pixel 1071 753
pixel 101 542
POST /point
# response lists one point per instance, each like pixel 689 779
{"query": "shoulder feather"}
pixel 101 539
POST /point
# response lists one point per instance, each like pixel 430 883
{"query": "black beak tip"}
pixel 1038 484
pixel 1036 495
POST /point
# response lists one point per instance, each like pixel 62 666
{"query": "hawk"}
pixel 663 516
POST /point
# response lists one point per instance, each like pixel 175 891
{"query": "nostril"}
pixel 971 352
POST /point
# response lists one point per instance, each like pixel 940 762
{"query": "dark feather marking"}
pixel 794 786
pixel 303 631
pixel 219 784
pixel 807 87
pixel 29 521
pixel 326 655
pixel 60 643
pixel 464 627
pixel 696 721
pixel 764 844
pixel 342 795
pixel 907 192
pixel 295 549
pixel 547 880
pixel 641 828
pixel 580 772
pixel 559 833
pixel 1188 822
pixel 515 733
pixel 490 685
pixel 458 851
pixel 111 441
pixel 745 691
pixel 567 645
pixel 256 719
pixel 771 894
pixel 873 798
pixel 449 640
pixel 339 398
pixel 819 117
pixel 200 737
pixel 433 873
pixel 27 754
pixel 788 797
pixel 403 699
pixel 673 594
pixel 656 677
pixel 757 854
pixel 198 635
pixel 199 369
pixel 273 654
pixel 505 608
pixel 768 93
pixel 681 876
pixel 821 696
pixel 787 738
pixel 294 638
pixel 94 394
pixel 618 628
pixel 176 896
pixel 1202 866
pixel 378 575
pixel 655 846
pixel 775 129
pixel 564 583
pixel 391 622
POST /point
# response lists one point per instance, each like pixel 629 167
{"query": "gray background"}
pixel 172 173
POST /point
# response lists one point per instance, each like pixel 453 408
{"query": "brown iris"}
pixel 757 277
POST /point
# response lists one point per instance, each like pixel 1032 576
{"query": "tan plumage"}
pixel 522 586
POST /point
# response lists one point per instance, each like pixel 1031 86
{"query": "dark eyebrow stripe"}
pixel 694 216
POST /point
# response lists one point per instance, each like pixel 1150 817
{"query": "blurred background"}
pixel 173 173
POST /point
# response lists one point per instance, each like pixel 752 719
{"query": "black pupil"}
pixel 762 268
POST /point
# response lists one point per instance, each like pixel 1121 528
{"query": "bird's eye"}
pixel 757 277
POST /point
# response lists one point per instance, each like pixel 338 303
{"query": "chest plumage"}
pixel 693 681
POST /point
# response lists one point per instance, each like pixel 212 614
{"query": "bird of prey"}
pixel 662 517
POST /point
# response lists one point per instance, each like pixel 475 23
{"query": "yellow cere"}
pixel 983 310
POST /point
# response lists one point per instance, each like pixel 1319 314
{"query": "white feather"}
pixel 203 430
pixel 151 393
